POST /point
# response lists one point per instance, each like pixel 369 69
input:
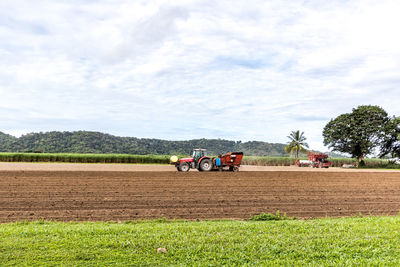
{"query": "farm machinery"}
pixel 315 160
pixel 199 160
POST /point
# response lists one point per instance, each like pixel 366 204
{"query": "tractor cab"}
pixel 198 154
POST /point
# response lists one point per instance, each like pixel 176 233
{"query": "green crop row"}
pixel 287 161
pixel 83 158
pixel 164 159
pixel 268 161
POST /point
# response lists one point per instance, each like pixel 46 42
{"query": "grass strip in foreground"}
pixel 361 241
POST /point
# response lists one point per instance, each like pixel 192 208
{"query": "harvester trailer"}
pixel 315 160
pixel 199 160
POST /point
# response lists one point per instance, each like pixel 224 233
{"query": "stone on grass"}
pixel 161 250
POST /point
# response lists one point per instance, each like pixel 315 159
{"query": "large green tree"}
pixel 391 140
pixel 357 133
pixel 297 143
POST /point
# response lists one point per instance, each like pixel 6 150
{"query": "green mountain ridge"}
pixel 97 142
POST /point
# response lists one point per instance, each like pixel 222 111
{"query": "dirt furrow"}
pixel 93 195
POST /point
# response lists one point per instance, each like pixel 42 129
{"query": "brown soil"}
pixel 23 166
pixel 103 196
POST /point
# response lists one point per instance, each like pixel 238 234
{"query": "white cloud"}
pixel 250 70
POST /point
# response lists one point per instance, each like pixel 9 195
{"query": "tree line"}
pixel 97 142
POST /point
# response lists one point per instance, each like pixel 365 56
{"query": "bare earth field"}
pixel 23 166
pixel 87 195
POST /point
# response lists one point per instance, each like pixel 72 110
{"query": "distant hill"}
pixel 7 141
pixel 96 142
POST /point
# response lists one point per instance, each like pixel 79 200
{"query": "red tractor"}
pixel 199 160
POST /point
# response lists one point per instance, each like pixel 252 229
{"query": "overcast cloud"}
pixel 241 70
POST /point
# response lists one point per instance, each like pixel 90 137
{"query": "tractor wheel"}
pixel 233 168
pixel 178 169
pixel 184 167
pixel 206 165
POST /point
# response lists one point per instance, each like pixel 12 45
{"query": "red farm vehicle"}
pixel 199 160
pixel 319 160
pixel 315 160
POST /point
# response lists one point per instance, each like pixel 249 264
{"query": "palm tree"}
pixel 297 143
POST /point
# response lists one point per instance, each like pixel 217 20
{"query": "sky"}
pixel 179 70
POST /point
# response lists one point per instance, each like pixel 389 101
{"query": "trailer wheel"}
pixel 233 168
pixel 184 167
pixel 206 165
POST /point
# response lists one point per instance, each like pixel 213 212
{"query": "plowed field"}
pixel 99 196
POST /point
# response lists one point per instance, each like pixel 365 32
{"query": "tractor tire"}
pixel 206 165
pixel 178 169
pixel 184 167
pixel 233 168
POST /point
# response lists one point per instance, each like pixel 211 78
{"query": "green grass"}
pixel 327 242
pixel 271 217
